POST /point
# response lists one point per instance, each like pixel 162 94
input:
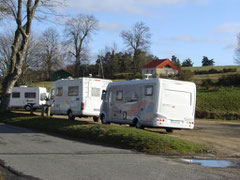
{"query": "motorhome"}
pixel 79 97
pixel 27 97
pixel 156 102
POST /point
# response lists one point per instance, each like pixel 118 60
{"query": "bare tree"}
pixel 5 52
pixel 6 40
pixel 23 13
pixel 237 51
pixel 137 40
pixel 50 56
pixel 78 31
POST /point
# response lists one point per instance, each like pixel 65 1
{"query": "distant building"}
pixel 163 67
pixel 60 74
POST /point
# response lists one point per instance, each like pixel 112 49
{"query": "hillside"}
pixel 210 67
pixel 214 77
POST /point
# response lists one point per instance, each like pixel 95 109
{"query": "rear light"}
pixel 82 106
pixel 160 120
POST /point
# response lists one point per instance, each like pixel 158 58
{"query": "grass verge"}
pixel 220 120
pixel 118 136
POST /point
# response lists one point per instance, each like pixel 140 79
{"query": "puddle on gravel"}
pixel 211 163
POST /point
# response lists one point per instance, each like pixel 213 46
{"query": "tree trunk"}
pixel 77 67
pixel 7 85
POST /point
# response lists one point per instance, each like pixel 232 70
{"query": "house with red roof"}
pixel 163 67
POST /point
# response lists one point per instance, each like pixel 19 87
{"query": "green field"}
pixel 197 68
pixel 118 136
pixel 214 77
pixel 223 100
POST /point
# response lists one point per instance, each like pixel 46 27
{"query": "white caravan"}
pixel 25 97
pixel 162 103
pixel 77 97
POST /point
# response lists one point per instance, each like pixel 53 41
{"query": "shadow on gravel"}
pixel 7 173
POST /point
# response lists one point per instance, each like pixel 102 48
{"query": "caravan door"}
pixel 74 99
pixel 116 104
pixel 53 101
pixel 93 99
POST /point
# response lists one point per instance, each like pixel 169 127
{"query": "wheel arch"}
pixel 102 114
pixel 135 119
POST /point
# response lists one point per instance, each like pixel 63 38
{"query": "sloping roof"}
pixel 161 63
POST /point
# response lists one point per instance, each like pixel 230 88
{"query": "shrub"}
pixel 229 80
pixel 205 114
pixel 207 83
pixel 138 75
pixel 186 75
pixel 225 70
pixel 215 71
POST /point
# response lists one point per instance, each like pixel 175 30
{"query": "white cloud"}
pixel 189 39
pixel 230 47
pixel 228 28
pixel 112 27
pixel 125 6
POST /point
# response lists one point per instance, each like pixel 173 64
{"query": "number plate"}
pixel 175 122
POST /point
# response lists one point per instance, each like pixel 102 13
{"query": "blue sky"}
pixel 185 28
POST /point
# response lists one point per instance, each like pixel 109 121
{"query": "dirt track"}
pixel 223 138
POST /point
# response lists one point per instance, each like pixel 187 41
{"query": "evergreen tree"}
pixel 176 61
pixel 207 62
pixel 187 63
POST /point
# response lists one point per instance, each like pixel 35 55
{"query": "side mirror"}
pixel 103 95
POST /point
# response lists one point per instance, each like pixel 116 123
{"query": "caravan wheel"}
pixel 27 108
pixel 70 115
pixel 169 130
pixel 103 119
pixel 95 119
pixel 139 125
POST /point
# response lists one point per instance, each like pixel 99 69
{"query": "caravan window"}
pixel 73 91
pixel 15 94
pixel 96 92
pixel 30 95
pixel 59 91
pixel 148 90
pixel 119 96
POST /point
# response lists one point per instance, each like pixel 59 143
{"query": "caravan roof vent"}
pixel 147 76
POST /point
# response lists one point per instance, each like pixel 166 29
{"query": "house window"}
pixel 166 72
pixel 147 71
pixel 31 95
pixel 119 96
pixel 152 71
pixel 96 92
pixel 148 90
pixel 73 91
pixel 15 94
pixel 59 91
